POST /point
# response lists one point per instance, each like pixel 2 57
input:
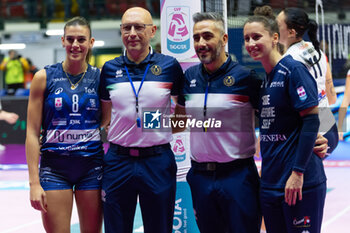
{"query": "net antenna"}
pixel 319 5
pixel 219 6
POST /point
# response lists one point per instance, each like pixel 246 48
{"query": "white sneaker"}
pixel 2 147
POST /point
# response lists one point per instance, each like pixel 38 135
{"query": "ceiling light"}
pixel 54 32
pixel 12 46
pixel 99 43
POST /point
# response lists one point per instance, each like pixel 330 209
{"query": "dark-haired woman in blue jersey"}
pixel 63 128
pixel 293 181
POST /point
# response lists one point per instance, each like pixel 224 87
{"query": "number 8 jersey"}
pixel 71 118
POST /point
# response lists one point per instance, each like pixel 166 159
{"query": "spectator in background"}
pixel 14 66
pixel 28 77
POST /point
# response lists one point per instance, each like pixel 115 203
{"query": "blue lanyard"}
pixel 205 100
pixel 205 104
pixel 138 120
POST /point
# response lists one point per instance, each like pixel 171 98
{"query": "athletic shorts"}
pixel 59 172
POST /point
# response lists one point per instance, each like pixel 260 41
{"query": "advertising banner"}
pixel 176 40
pixel 176 28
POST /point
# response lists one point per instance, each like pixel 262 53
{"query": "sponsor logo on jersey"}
pixel 59 121
pixel 193 83
pixel 265 100
pixel 88 80
pixel 304 222
pixel 151 119
pixel 72 136
pixel 59 79
pixel 74 122
pixel 93 103
pixel 156 70
pixel 58 103
pixel 322 95
pixel 92 106
pixel 59 91
pixel 91 109
pixel 273 138
pixel 119 73
pixel 301 93
pixel 74 114
pixel 90 121
pixel 90 91
pixel 266 123
pixel 229 81
pixel 282 72
pixel 71 148
pixel 277 84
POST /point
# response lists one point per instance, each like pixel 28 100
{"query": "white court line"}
pixel 21 226
pixel 327 223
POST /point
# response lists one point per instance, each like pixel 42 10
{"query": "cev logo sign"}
pixel 178 37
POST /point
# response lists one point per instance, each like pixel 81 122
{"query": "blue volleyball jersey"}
pixel 71 118
pixel 287 90
pixel 163 79
pixel 233 95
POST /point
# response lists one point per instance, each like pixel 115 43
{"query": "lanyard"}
pixel 205 100
pixel 138 120
pixel 205 103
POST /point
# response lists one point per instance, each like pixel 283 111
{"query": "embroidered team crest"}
pixel 229 81
pixel 156 70
pixel 301 93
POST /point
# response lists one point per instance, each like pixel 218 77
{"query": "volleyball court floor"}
pixel 16 214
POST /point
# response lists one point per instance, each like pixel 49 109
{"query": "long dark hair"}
pixel 78 20
pixel 298 20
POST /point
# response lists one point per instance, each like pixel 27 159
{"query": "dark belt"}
pixel 140 151
pixel 216 166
